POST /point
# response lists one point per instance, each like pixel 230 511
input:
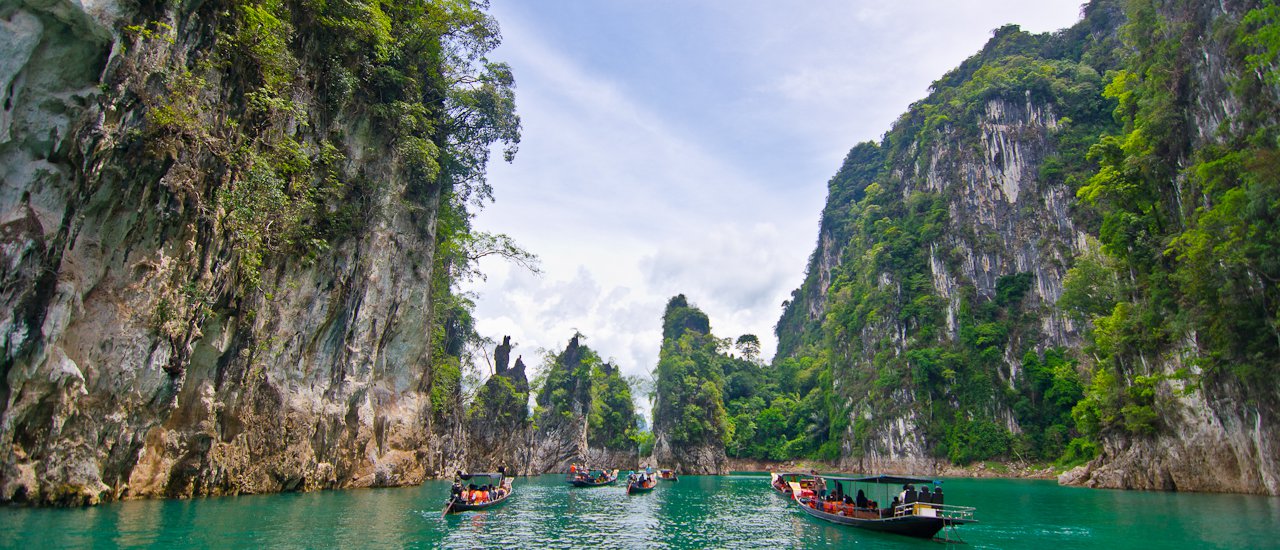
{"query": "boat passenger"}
pixel 455 492
pixel 894 507
pixel 911 496
pixel 861 501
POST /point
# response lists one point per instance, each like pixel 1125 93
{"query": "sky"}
pixel 684 147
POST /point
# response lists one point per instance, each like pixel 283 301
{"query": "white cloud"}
pixel 684 147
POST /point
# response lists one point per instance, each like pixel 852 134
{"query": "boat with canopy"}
pixel 668 475
pixel 911 512
pixel 481 491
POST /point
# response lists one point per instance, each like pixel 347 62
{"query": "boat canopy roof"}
pixel 785 474
pixel 883 479
pixel 482 475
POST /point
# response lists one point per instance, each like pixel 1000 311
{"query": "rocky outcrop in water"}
pixel 221 255
pixel 561 436
pixel 498 425
pixel 586 415
pixel 689 416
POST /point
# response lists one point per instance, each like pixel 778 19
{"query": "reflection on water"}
pixel 731 511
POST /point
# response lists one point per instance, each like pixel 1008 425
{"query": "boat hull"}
pixel 583 483
pixel 464 507
pixel 909 525
pixel 633 488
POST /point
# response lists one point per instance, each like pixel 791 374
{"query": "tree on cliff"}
pixel 612 420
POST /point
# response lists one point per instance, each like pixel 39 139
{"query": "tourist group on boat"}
pixel 477 491
pixel 919 513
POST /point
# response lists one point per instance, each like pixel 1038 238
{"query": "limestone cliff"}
pixel 222 227
pixel 978 218
pixel 1211 385
pixel 1000 278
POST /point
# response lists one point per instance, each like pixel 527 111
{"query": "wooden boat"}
pixel 592 478
pixel 502 486
pixel 643 484
pixel 911 518
pixel 667 475
pixel 781 482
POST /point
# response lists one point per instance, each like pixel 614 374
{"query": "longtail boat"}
pixel 916 514
pixel 781 481
pixel 641 483
pixel 591 478
pixel 460 503
pixel 667 475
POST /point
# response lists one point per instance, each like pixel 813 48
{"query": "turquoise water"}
pixel 736 511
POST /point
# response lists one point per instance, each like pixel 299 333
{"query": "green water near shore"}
pixel 736 511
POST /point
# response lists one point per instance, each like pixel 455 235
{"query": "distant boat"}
pixel 591 478
pixel 781 481
pixel 913 516
pixel 667 475
pixel 461 503
pixel 641 483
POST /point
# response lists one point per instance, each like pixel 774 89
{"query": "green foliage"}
pixel 1090 288
pixel 1259 33
pixel 500 403
pixel 1189 260
pixel 611 423
pixel 566 389
pixel 690 380
pixel 679 318
pixel 977 439
pixel 644 441
pixel 1078 452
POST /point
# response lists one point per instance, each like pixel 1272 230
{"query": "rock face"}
pixel 498 426
pixel 1210 446
pixel 707 459
pixel 159 338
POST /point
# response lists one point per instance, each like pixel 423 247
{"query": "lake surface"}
pixel 737 511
